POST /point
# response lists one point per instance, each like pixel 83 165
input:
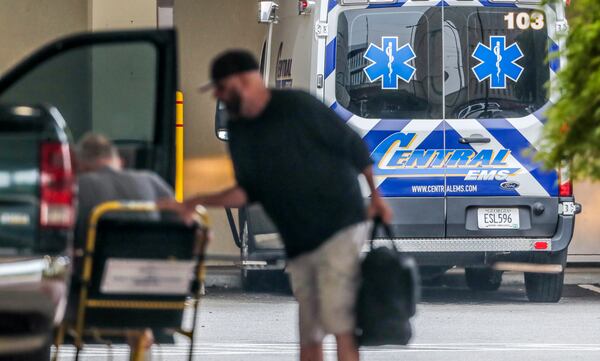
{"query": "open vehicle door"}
pixel 387 83
pixel 121 84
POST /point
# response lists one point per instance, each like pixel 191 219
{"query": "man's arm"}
pixel 326 126
pixel 234 197
pixel 378 207
pixel 329 129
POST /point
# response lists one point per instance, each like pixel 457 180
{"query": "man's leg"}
pixel 303 280
pixel 347 349
pixel 338 275
pixel 311 352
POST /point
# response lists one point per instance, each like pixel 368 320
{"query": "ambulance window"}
pixel 366 41
pixel 512 46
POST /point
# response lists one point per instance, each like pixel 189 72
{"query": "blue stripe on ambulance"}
pixel 404 186
pixel 497 4
pixel 513 140
pixel 342 112
pixel 330 57
pixel 554 59
pixel 382 130
pixel 484 188
pixel 331 5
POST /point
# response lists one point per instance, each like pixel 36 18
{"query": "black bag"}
pixel 387 296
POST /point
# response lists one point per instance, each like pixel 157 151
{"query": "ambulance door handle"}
pixel 469 140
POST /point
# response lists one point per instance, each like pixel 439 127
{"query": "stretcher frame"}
pixel 139 336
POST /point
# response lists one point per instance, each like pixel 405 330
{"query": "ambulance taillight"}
pixel 305 7
pixel 565 186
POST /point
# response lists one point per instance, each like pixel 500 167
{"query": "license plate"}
pixel 498 218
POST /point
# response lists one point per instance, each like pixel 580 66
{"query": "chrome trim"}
pixel 23 267
pixel 22 344
pixel 463 244
pixel 27 270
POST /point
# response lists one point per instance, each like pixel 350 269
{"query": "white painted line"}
pixel 234 349
pixel 591 288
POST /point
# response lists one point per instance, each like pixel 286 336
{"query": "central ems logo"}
pixel 395 157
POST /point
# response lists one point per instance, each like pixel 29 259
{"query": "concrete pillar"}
pixel 29 24
pixel 117 14
pixel 206 28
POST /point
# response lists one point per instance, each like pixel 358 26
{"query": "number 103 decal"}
pixel 524 20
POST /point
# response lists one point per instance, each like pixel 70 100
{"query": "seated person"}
pixel 102 179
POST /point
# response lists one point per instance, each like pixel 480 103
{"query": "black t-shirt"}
pixel 301 162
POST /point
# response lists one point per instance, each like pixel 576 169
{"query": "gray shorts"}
pixel 325 283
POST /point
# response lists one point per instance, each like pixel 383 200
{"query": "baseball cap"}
pixel 229 63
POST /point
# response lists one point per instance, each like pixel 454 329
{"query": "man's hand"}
pixel 183 210
pixel 378 207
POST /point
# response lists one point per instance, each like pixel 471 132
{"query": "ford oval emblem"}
pixel 509 186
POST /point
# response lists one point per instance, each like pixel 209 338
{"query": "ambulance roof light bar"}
pixel 357 2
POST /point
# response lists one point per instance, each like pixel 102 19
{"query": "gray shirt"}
pixel 108 184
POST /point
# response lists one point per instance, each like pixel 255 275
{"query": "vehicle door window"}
pixel 109 89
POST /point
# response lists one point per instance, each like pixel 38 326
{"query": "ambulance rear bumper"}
pixel 558 242
pixel 468 244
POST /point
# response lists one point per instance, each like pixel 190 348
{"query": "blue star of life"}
pixel 389 62
pixel 498 62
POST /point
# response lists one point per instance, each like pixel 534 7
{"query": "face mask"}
pixel 234 105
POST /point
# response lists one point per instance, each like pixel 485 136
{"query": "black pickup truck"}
pixel 37 194
pixel 121 84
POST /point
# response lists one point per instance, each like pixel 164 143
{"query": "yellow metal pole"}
pixel 179 147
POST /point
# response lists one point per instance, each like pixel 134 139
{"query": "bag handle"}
pixel 379 223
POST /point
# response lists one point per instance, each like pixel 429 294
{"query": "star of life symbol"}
pixel 498 62
pixel 389 64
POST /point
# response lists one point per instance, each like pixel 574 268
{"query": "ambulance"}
pixel 449 96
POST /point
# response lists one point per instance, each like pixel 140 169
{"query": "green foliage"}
pixel 572 132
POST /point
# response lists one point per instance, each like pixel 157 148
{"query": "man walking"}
pixel 301 162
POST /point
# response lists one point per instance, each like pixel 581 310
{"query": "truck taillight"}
pixel 565 186
pixel 56 186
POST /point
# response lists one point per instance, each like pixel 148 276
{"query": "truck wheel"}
pixel 483 279
pixel 543 287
